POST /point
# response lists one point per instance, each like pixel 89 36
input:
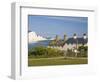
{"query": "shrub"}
pixel 70 53
pixel 41 51
pixel 83 51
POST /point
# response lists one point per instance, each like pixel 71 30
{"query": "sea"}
pixel 39 43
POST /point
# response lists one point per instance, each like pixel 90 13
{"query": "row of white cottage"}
pixel 71 44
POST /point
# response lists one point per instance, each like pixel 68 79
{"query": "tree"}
pixel 52 43
pixel 83 51
pixel 44 52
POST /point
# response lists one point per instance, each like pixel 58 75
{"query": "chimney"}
pixel 65 37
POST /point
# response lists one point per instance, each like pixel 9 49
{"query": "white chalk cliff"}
pixel 33 37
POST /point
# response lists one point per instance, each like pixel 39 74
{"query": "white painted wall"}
pixel 5 45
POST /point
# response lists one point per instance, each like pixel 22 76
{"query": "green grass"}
pixel 56 61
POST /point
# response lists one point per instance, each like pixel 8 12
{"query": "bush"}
pixel 45 52
pixel 41 51
pixel 83 51
pixel 70 53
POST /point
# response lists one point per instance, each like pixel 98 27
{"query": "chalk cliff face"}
pixel 33 37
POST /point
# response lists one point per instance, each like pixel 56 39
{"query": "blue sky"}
pixel 50 26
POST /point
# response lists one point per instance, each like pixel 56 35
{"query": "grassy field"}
pixel 56 61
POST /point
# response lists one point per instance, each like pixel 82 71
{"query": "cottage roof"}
pixel 71 41
pixel 29 31
pixel 80 41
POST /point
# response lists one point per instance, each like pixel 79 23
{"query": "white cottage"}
pixel 71 44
